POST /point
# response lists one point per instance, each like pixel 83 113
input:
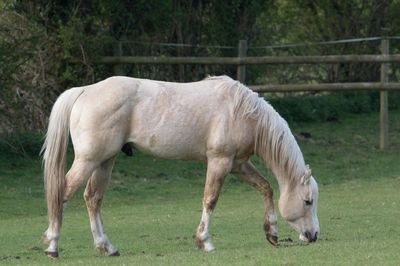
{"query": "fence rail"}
pixel 263 60
pixel 371 86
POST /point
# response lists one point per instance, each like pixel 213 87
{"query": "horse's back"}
pixel 173 120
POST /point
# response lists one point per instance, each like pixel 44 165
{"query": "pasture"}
pixel 152 208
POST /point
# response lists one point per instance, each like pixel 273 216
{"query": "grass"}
pixel 153 207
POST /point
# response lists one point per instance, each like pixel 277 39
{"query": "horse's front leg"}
pixel 93 195
pixel 217 169
pixel 252 176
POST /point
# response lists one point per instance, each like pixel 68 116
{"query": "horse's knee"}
pixel 93 201
pixel 266 189
pixel 93 194
pixel 210 201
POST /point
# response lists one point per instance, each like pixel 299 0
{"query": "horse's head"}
pixel 298 206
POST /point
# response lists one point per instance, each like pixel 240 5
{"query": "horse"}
pixel 217 120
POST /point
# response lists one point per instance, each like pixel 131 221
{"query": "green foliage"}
pixel 49 46
pixel 26 80
pixel 81 41
pixel 291 22
pixel 329 107
pixel 21 144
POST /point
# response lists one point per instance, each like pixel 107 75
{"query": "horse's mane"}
pixel 274 141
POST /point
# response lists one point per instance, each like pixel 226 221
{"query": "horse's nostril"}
pixel 315 236
pixel 308 235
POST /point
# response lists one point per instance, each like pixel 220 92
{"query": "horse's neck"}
pixel 276 144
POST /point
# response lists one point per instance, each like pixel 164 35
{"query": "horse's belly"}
pixel 171 148
pixel 171 143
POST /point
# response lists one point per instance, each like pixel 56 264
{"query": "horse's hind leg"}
pixel 93 195
pixel 252 176
pixel 79 173
pixel 217 169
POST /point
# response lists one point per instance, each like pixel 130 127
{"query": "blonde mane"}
pixel 274 141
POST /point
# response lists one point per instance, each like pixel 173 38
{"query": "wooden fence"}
pixel 242 60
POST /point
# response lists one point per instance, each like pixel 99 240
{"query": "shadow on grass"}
pixel 289 242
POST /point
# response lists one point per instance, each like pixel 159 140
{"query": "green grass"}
pixel 153 207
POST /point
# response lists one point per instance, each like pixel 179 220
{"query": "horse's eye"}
pixel 308 202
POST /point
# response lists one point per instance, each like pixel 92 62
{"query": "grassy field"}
pixel 153 207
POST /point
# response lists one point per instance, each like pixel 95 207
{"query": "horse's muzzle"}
pixel 310 237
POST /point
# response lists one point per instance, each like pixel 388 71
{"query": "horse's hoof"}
pixel 114 254
pixel 205 245
pixel 52 254
pixel 272 239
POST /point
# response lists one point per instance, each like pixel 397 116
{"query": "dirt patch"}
pixel 8 258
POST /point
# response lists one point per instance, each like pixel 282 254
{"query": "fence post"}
pixel 118 51
pixel 241 69
pixel 384 109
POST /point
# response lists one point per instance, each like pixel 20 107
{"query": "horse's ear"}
pixel 305 179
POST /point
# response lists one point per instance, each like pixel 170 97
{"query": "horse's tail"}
pixel 54 152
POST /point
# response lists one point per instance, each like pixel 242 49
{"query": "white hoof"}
pixel 208 246
pixel 107 248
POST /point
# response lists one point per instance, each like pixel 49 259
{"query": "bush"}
pixel 329 107
pixel 27 79
pixel 21 144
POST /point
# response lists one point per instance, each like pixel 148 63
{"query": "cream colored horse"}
pixel 217 120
